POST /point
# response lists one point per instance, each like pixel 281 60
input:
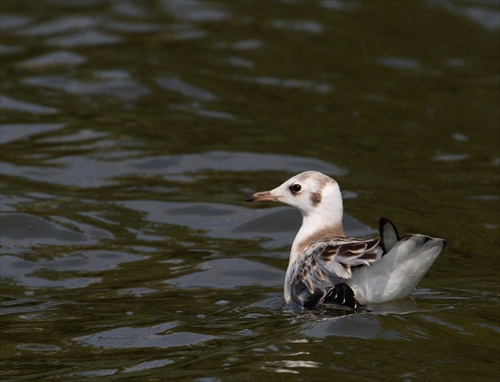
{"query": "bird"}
pixel 326 267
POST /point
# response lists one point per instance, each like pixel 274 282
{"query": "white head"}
pixel 313 193
pixel 318 198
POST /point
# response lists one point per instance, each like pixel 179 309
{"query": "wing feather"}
pixel 327 263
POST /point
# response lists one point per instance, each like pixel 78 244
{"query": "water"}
pixel 131 131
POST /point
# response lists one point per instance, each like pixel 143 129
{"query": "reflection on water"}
pixel 151 336
pixel 117 84
pixel 131 131
pixel 108 168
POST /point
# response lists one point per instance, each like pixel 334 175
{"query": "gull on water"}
pixel 326 267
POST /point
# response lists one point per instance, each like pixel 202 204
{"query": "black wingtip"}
pixel 387 238
pixel 342 294
pixel 383 221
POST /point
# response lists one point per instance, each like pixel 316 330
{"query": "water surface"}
pixel 131 131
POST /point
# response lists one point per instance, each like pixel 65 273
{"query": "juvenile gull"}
pixel 326 267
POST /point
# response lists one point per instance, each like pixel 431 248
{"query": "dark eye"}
pixel 295 188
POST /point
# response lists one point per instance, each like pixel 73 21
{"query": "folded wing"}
pixel 324 265
pixel 405 262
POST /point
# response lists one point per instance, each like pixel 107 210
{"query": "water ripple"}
pixel 156 336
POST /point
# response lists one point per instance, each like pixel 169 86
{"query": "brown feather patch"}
pixel 316 198
pixel 369 256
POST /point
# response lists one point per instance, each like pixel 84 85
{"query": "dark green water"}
pixel 130 132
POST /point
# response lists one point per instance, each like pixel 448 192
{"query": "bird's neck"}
pixel 322 223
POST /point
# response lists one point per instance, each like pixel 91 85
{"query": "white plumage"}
pixel 327 267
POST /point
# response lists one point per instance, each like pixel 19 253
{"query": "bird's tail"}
pixel 405 262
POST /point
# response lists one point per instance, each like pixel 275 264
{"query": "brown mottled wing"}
pixel 328 263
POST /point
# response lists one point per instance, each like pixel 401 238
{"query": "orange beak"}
pixel 263 196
